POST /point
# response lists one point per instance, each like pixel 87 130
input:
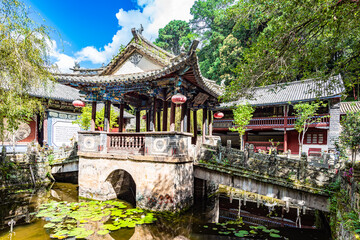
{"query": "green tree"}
pixel 350 134
pixel 242 116
pixel 306 114
pixel 175 34
pixel 297 40
pixel 84 120
pixel 23 64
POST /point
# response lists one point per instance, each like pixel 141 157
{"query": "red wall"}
pixel 293 142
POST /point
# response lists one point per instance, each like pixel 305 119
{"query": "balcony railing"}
pixel 165 144
pixel 270 122
pixel 125 141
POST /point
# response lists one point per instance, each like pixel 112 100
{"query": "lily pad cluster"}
pixel 238 231
pixel 70 219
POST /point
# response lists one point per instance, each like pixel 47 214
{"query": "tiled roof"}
pixel 177 64
pixel 297 91
pixel 349 107
pixel 56 91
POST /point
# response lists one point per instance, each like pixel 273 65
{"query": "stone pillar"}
pixel 107 116
pixel 204 124
pixel 121 117
pixel 335 127
pixel 137 123
pixel 194 126
pixel 165 116
pixel 172 117
pixel 93 116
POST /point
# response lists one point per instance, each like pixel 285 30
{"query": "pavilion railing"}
pixel 270 122
pixel 125 141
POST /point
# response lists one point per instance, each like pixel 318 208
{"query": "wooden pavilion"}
pixel 147 78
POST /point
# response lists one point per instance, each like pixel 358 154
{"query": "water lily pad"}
pixel 49 225
pixel 274 235
pixel 103 232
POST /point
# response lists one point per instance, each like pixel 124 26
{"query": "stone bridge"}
pixel 156 170
pixel 290 181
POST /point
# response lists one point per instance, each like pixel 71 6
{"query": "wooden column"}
pixel 204 124
pixel 183 117
pixel 107 116
pixel 121 117
pixel 93 116
pixel 165 116
pixel 172 117
pixel 285 126
pixel 153 116
pixel 147 120
pixel 210 123
pixel 158 120
pixel 195 126
pixel 137 124
pixel 188 123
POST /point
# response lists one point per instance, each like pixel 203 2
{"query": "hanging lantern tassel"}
pixel 178 98
pixel 78 103
pixel 218 115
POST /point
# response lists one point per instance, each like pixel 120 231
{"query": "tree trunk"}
pixel 241 143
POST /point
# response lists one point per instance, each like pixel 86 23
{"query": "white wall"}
pixel 144 65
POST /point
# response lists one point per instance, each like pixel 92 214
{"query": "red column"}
pixel 93 116
pixel 152 124
pixel 188 123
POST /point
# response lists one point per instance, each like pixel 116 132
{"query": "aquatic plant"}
pixel 69 219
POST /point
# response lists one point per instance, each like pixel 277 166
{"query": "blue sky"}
pixel 91 32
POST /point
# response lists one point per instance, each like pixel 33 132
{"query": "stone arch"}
pixel 124 185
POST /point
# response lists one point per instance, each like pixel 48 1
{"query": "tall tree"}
pixel 305 116
pixel 298 39
pixel 175 34
pixel 350 134
pixel 23 64
pixel 242 116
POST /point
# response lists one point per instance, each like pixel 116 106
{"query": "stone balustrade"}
pixel 162 144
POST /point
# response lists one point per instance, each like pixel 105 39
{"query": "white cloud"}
pixel 152 14
pixel 62 61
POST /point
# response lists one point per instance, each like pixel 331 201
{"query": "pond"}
pixel 211 218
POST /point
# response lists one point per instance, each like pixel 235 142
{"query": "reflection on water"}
pixel 204 221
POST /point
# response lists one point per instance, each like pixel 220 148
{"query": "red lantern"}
pixel 178 98
pixel 78 103
pixel 218 115
pixel 144 117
